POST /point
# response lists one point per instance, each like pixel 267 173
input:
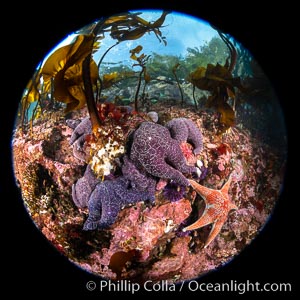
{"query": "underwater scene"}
pixel 149 145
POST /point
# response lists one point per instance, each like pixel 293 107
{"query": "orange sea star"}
pixel 218 205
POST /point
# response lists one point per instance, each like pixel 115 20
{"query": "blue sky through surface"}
pixel 181 31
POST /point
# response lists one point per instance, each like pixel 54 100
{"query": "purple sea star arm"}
pixel 165 171
pixel 84 128
pixel 83 188
pixel 107 200
pixel 79 135
pixel 73 123
pixel 139 180
pixel 178 129
pixel 185 130
pixel 95 207
pixel 195 136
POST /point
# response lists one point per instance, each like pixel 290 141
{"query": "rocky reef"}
pixel 146 239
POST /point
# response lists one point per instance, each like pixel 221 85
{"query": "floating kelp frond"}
pixel 132 27
pixel 65 66
pixel 219 81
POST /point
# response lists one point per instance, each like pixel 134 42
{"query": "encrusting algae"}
pixel 150 171
pixel 62 222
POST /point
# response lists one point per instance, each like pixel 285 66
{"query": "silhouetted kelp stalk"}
pixel 232 59
pixel 88 84
pixel 141 62
pixel 194 98
pixel 99 91
pixel 73 71
pixel 174 69
pixel 30 95
pixel 131 27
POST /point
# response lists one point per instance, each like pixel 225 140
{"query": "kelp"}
pixel 73 72
pixel 141 62
pixel 102 83
pixel 174 69
pixel 32 95
pixel 219 81
pixel 130 26
pixel 65 67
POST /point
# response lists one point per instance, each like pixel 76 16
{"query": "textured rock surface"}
pixel 149 238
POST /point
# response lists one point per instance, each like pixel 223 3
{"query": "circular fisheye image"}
pixel 145 148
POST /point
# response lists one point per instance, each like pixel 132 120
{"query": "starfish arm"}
pixel 81 192
pixel 200 189
pixel 203 221
pixel 217 208
pixel 162 170
pixel 178 129
pixel 195 136
pixel 95 207
pixel 177 160
pixel 216 228
pixel 225 188
pixel 83 128
pixel 232 206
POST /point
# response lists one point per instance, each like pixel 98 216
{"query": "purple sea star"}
pixel 154 150
pixel 107 200
pixel 78 136
pixel 173 192
pixel 81 130
pixel 83 188
pixel 153 154
pixel 185 130
pixel 139 180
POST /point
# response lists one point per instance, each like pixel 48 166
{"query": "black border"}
pixel 34 266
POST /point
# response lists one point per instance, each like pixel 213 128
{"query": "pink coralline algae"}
pixel 147 234
pixel 187 151
pixel 146 241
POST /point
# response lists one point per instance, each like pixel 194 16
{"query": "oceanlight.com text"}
pixel 239 287
pixel 193 286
